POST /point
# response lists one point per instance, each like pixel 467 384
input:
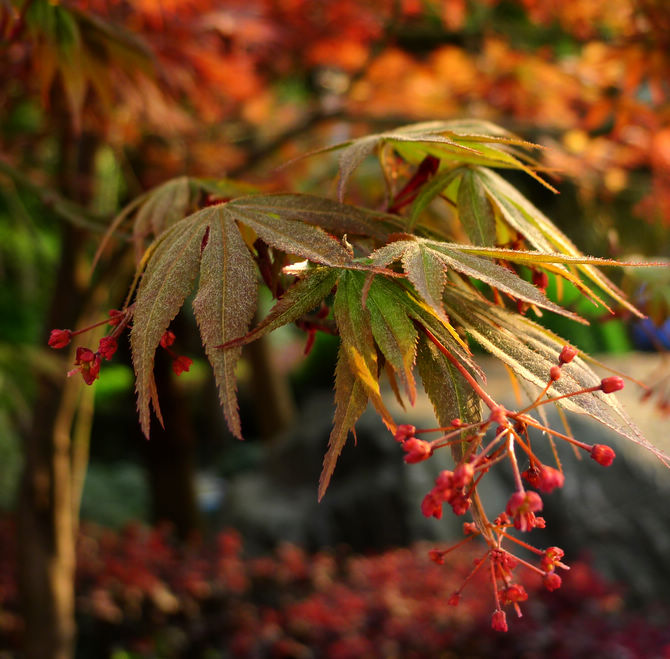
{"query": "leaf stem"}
pixel 490 403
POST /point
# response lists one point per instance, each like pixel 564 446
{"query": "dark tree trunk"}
pixel 170 457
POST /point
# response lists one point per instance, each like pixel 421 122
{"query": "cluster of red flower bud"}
pixel 457 487
pixel 88 363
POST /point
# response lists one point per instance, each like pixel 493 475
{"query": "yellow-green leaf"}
pixel 475 211
pixel 351 399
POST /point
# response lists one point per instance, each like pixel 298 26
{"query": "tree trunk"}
pixel 170 457
pixel 46 524
pixel 270 390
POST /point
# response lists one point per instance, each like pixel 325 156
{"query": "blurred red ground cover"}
pixel 140 592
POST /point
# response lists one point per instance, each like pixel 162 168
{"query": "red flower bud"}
pixel 417 450
pixel 107 347
pixel 552 581
pixel 437 556
pixel 555 373
pixel 499 621
pixel 167 339
pixel 60 338
pixel 515 593
pixel 444 480
pixel 454 600
pixel 522 507
pixel 546 479
pixel 88 363
pixel 603 454
pixel 460 504
pixel 463 474
pixel 181 364
pixel 404 431
pixel 431 506
pixel 521 502
pixel 611 384
pixel 552 556
pixel 567 355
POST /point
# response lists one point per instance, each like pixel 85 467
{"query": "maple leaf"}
pixel 541 232
pixel 427 261
pixel 225 305
pixel 380 316
pixel 315 284
pixel 530 351
pixel 450 394
pixel 462 141
pixel 351 399
pixel 157 209
pixel 356 334
pixel 209 243
pixel 166 282
pixel 485 201
pixel 475 210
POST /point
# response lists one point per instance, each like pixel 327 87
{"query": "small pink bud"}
pixel 546 479
pixel 60 338
pixel 532 475
pixel 444 480
pixel 567 354
pixel 552 581
pixel 454 599
pixel 555 373
pixel 460 504
pixel 603 454
pixel 463 474
pixel 431 506
pixel 404 431
pixel 417 450
pixel 611 384
pixel 456 423
pixel 499 621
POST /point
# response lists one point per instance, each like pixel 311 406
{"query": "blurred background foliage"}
pixel 217 89
pixel 100 100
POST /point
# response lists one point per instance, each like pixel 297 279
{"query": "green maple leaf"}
pixel 462 142
pixel 530 351
pixel 522 216
pixel 426 262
